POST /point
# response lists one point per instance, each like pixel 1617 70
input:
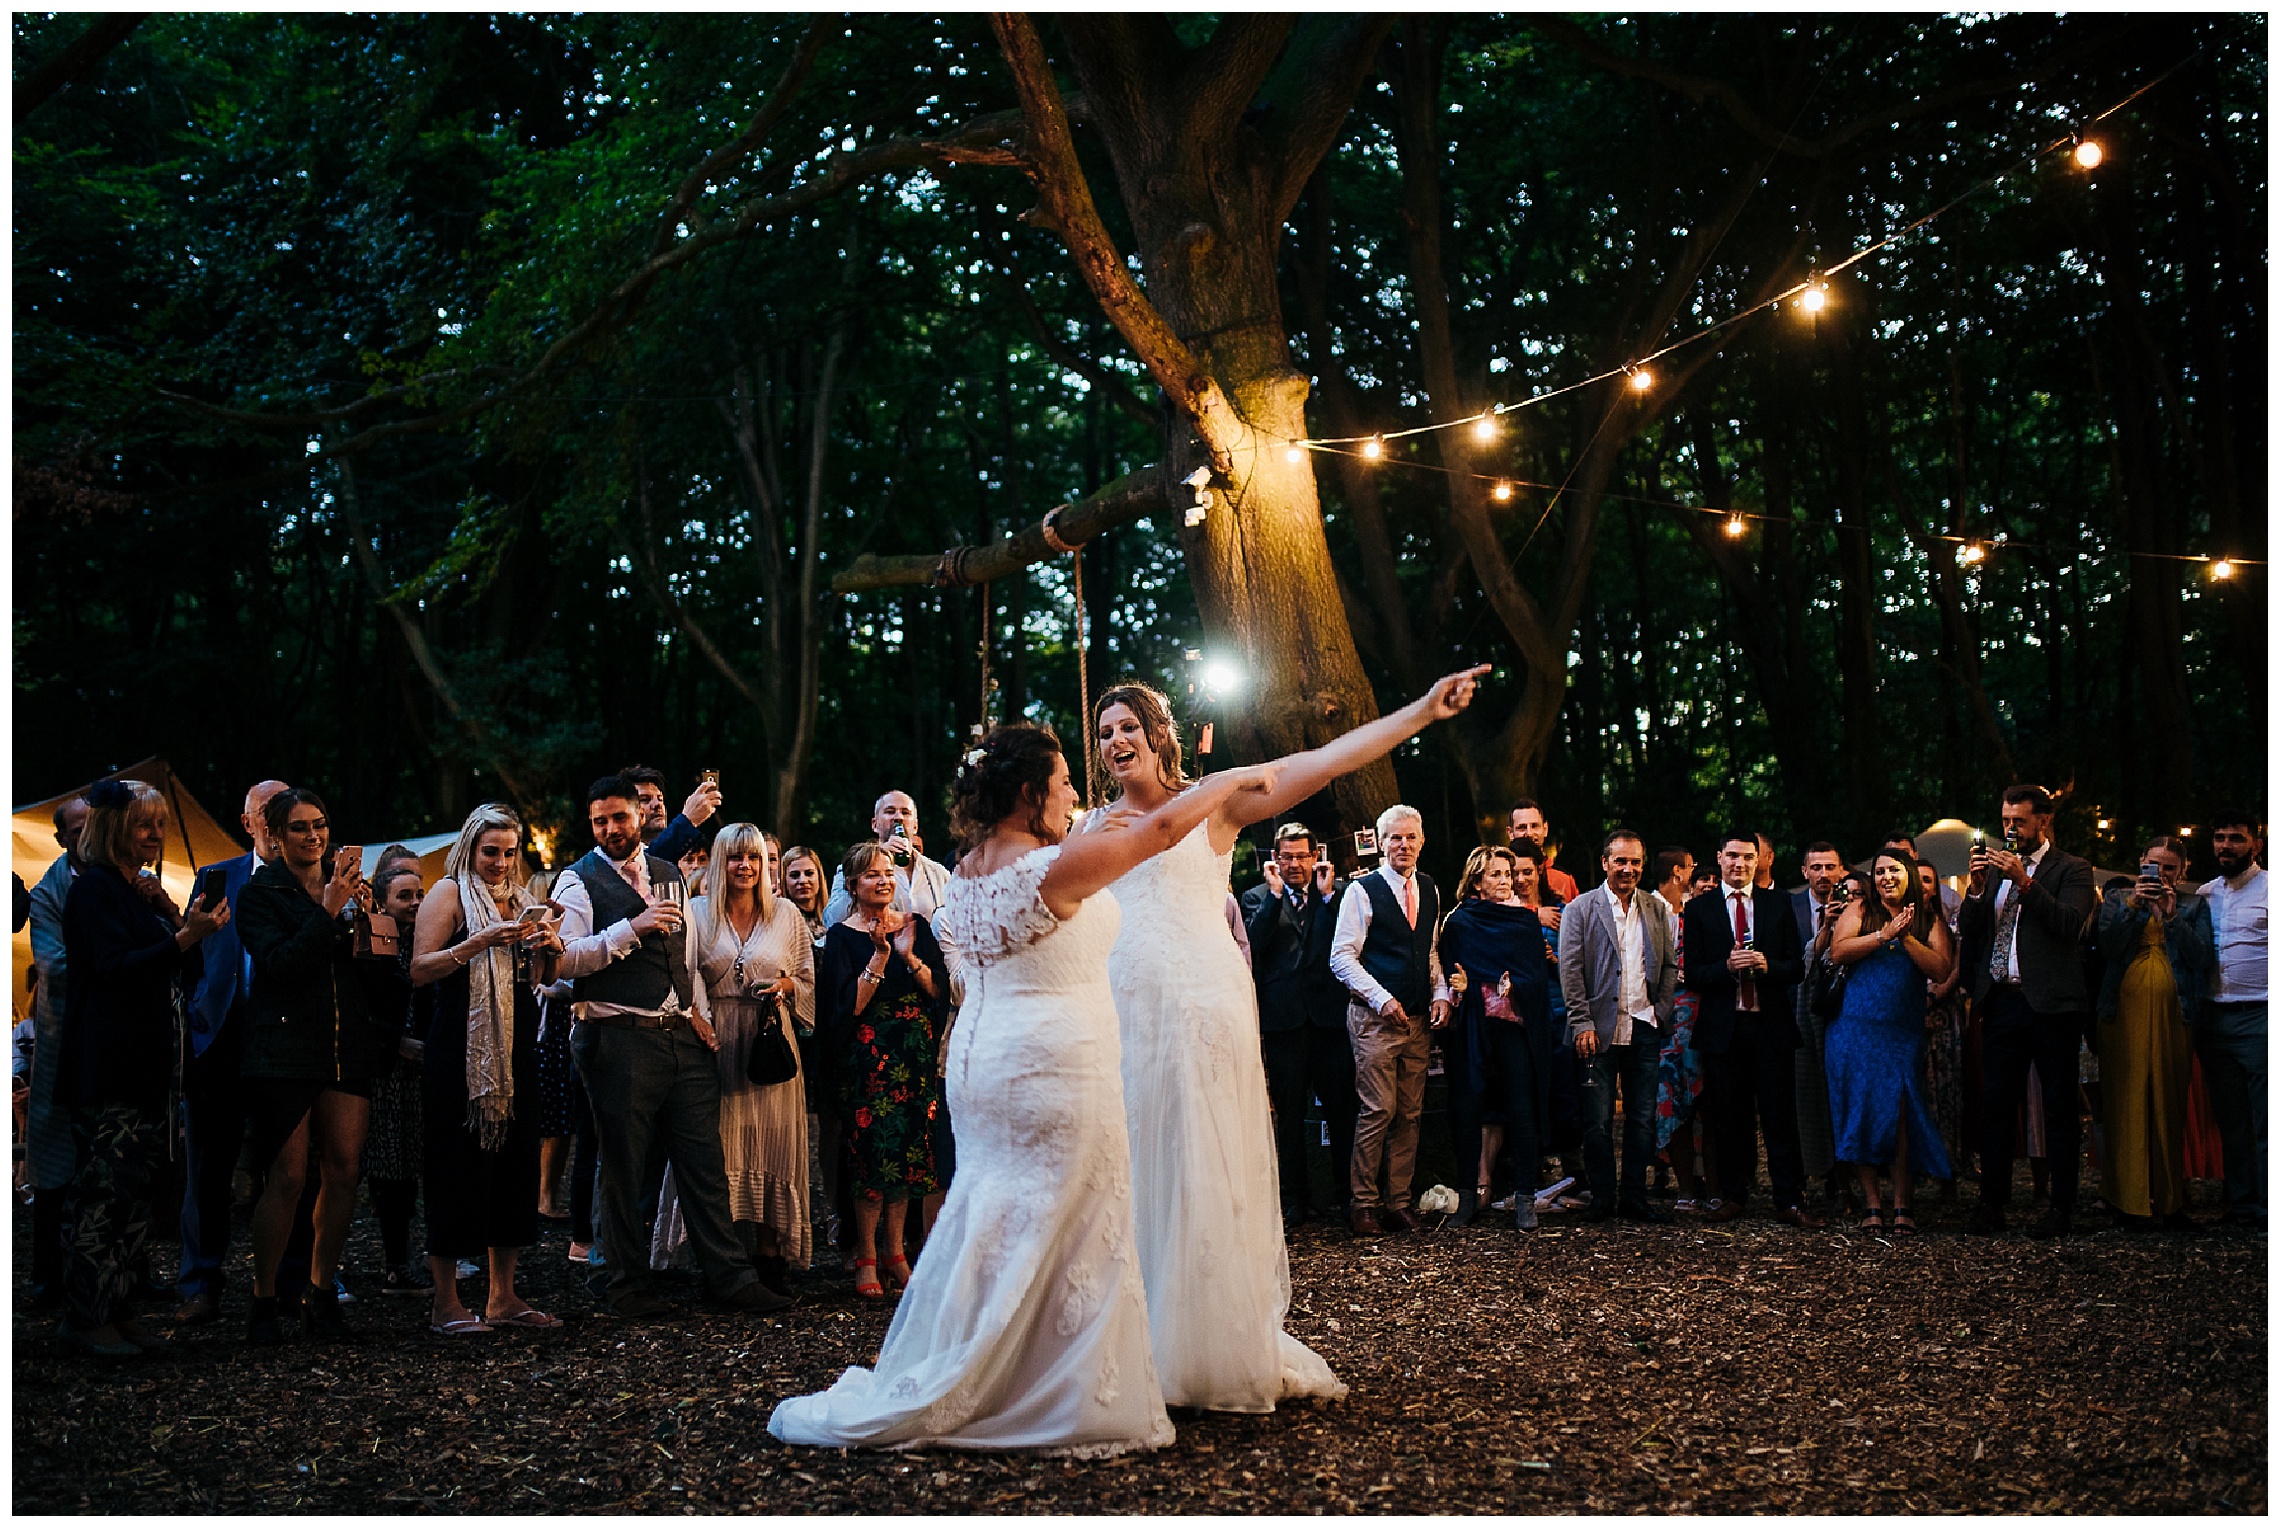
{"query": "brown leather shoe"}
pixel 199 1309
pixel 1402 1219
pixel 1725 1212
pixel 1364 1221
pixel 1798 1216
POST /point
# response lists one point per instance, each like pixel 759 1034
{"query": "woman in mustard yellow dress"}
pixel 2160 949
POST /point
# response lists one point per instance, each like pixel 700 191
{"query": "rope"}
pixel 982 727
pixel 1084 674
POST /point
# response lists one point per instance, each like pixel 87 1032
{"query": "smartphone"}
pixel 708 777
pixel 213 886
pixel 532 915
pixel 2149 871
pixel 351 855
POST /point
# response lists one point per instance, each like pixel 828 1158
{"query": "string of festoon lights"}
pixel 1810 297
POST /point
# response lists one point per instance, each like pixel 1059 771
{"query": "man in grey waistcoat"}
pixel 646 1055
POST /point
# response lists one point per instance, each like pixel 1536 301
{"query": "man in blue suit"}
pixel 213 1101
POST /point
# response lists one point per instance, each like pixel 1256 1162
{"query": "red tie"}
pixel 1745 991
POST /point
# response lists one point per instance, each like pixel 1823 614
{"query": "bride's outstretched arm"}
pixel 1090 861
pixel 1305 773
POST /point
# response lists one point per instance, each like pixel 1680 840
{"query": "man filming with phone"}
pixel 2021 930
pixel 919 882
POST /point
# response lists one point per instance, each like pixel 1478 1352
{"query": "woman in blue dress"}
pixel 1891 945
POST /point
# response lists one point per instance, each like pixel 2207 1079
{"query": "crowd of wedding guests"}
pixel 1870 1030
pixel 704 1049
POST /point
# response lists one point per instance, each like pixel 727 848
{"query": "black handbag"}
pixel 771 1060
pixel 1828 996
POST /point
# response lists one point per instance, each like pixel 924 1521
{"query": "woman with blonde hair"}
pixel 752 969
pixel 131 956
pixel 482 948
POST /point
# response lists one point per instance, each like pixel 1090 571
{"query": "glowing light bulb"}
pixel 2089 153
pixel 1222 676
pixel 1373 448
pixel 2105 824
pixel 2221 569
pixel 1736 527
pixel 1814 298
pixel 1294 455
pixel 1484 428
pixel 1501 493
pixel 1969 553
pixel 1642 380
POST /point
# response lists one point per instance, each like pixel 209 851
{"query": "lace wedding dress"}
pixel 1203 1146
pixel 1024 1325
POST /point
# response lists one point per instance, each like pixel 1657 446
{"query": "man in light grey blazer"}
pixel 1619 972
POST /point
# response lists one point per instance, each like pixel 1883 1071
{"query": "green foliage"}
pixel 333 224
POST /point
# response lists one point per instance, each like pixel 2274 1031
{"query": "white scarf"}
pixel 490 1017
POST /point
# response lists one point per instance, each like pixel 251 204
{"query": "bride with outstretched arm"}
pixel 1195 1092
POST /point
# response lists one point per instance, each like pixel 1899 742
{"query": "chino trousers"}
pixel 1389 1083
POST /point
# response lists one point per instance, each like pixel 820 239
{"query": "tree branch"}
pixel 1113 387
pixel 772 108
pixel 1310 93
pixel 1135 496
pixel 1065 204
pixel 1732 102
pixel 76 62
pixel 1223 76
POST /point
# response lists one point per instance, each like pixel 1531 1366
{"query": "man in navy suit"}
pixel 214 1103
pixel 1744 961
pixel 1290 919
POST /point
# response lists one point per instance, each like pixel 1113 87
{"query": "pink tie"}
pixel 1409 899
pixel 636 871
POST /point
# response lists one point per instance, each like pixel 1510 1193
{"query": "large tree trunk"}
pixel 1207 183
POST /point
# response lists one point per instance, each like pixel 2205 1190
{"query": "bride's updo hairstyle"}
pixel 1156 725
pixel 1012 768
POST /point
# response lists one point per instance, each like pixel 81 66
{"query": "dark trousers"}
pixel 584 1148
pixel 1753 1086
pixel 1312 1061
pixel 1506 1077
pixel 47 1238
pixel 121 1149
pixel 213 1109
pixel 646 1086
pixel 1633 1067
pixel 2231 1040
pixel 2014 1037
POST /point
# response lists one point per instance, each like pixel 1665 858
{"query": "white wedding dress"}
pixel 1203 1146
pixel 1024 1326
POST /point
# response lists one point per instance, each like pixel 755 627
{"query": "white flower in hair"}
pixel 974 757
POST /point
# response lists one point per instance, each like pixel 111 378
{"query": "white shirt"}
pixel 1632 1003
pixel 585 950
pixel 2239 911
pixel 1354 929
pixel 2003 889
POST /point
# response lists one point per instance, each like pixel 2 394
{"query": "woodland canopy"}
pixel 434 407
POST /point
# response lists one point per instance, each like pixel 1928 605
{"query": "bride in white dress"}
pixel 1212 1256
pixel 1024 1326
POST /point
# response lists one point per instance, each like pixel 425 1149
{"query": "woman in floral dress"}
pixel 883 992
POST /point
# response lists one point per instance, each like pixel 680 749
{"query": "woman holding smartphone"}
pixel 2161 949
pixel 324 1027
pixel 485 945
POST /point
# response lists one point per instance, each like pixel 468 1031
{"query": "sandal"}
pixel 529 1316
pixel 873 1290
pixel 1872 1219
pixel 465 1326
pixel 897 1272
pixel 1903 1223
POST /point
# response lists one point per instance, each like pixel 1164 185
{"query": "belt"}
pixel 636 1020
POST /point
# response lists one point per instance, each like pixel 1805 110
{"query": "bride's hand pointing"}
pixel 1452 694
